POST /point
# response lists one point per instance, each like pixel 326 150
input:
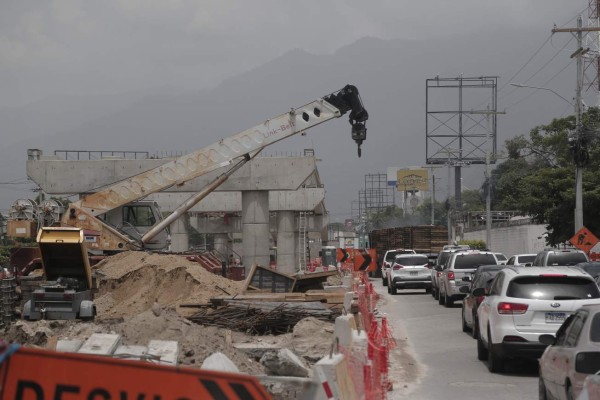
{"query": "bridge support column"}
pixel 255 228
pixel 287 242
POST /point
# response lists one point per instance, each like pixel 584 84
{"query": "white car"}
pixel 502 260
pixel 570 356
pixel 522 259
pixel 524 303
pixel 388 260
pixel 409 271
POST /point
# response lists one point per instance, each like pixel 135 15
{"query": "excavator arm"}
pixel 234 150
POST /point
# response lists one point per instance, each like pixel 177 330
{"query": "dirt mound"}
pixel 131 282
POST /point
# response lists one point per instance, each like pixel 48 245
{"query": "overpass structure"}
pixel 286 188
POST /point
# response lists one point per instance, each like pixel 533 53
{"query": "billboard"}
pixel 413 179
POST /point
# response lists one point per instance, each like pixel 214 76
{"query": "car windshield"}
pixel 473 260
pixel 390 256
pixel 565 258
pixel 552 288
pixel 481 279
pixel 595 328
pixel 592 269
pixel 442 258
pixel 411 261
pixel 526 259
pixel 501 257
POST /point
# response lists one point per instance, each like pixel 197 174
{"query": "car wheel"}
pixel 542 393
pixel 394 291
pixel 465 327
pixel 475 329
pixel 448 301
pixel 389 289
pixel 433 292
pixel 441 298
pixel 384 281
pixel 482 353
pixel 495 361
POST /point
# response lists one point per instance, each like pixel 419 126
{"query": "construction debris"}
pixel 146 296
pixel 219 362
pixel 284 363
pixel 269 280
pixel 261 317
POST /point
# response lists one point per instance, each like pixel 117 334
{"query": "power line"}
pixel 543 84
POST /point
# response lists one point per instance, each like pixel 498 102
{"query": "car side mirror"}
pixel 463 289
pixel 466 278
pixel 479 292
pixel 548 340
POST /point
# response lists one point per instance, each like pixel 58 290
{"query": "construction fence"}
pixel 368 366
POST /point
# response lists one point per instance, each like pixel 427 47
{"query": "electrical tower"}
pixel 375 197
pixel 591 61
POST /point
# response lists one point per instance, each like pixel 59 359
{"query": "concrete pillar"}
pixel 180 240
pixel 221 240
pixel 287 243
pixel 255 228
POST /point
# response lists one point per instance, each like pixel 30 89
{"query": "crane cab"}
pixel 135 219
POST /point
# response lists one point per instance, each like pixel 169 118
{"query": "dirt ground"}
pixel 140 297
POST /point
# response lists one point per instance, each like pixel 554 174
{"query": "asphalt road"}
pixel 434 359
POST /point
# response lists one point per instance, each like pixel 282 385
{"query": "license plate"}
pixel 555 317
pixel 413 273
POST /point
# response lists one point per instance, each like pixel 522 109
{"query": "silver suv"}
pixel 409 271
pixel 559 257
pixel 440 263
pixel 388 260
pixel 461 264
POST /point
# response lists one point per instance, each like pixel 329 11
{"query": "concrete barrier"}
pixel 334 377
pixel 344 325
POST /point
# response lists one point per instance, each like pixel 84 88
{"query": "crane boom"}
pixel 246 144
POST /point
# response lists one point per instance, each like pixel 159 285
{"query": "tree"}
pixel 539 176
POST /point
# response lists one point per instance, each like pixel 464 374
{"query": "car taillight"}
pixel 512 308
pixel 430 266
pixel 450 275
pixel 397 267
pixel 386 264
pixel 479 299
pixel 439 274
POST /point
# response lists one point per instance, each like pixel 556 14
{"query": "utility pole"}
pixel 432 198
pixel 579 53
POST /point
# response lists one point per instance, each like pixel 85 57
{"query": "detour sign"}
pixel 34 374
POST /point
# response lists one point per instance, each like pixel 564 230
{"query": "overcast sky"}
pixel 50 47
